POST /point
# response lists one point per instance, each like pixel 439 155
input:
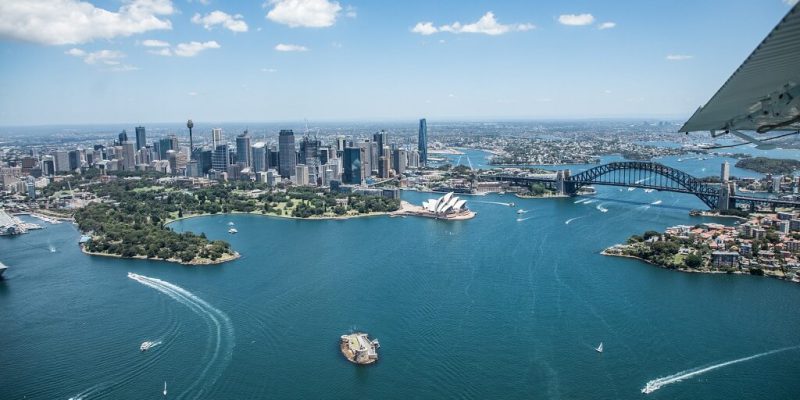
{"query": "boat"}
pixel 649 190
pixel 520 211
pixel 230 223
pixel 599 349
pixel 3 269
pixel 232 230
pixel 512 205
pixel 146 345
pixel 165 388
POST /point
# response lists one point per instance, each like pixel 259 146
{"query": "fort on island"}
pixel 446 207
pixel 359 349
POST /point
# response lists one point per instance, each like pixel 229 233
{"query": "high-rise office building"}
pixel 61 158
pixel 74 160
pixel 382 140
pixel 128 156
pixel 166 144
pixel 383 166
pixel 243 155
pixel 353 167
pixel 288 153
pixel 220 159
pixel 259 153
pixel 216 137
pixel 399 161
pixel 309 152
pixel 725 174
pixel 123 137
pixel 301 177
pixel 422 145
pixel 141 137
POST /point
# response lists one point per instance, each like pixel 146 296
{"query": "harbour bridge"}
pixel 645 175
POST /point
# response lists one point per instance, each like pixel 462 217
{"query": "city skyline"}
pixel 291 60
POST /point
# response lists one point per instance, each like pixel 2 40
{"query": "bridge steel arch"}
pixel 647 175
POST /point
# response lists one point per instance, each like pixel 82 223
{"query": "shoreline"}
pixel 223 259
pixel 314 218
pixel 692 271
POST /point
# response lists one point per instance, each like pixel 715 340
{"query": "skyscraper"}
pixel 243 154
pixel 190 125
pixel 382 139
pixel 141 137
pixel 287 153
pixel 399 161
pixel 422 145
pixel 220 160
pixel 352 173
pixel 123 137
pixel 216 137
pixel 259 153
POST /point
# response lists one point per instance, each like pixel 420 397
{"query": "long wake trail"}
pixel 221 327
pixel 658 383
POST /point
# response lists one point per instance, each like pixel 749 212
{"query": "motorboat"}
pixel 146 345
pixel 232 231
pixel 165 388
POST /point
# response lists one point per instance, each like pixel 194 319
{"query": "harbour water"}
pixel 494 307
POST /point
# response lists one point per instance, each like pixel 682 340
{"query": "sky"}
pixel 135 61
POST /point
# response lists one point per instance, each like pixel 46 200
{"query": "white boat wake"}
pixel 523 219
pixel 580 201
pixel 590 201
pixel 630 189
pixel 656 202
pixel 658 383
pixel 601 208
pixel 221 331
pixel 494 202
pixel 649 190
pixel 567 222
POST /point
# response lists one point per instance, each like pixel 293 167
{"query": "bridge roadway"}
pixel 641 174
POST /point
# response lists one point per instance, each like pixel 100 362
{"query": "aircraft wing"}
pixel 763 94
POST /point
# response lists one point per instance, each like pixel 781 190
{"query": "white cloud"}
pixel 154 43
pixel 487 25
pixel 60 22
pixel 108 57
pixel 234 23
pixel 678 57
pixel 192 49
pixel 350 12
pixel 290 47
pixel 270 70
pixel 161 52
pixel 607 25
pixel 576 19
pixel 424 28
pixel 304 13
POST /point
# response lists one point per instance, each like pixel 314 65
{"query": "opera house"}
pixel 446 207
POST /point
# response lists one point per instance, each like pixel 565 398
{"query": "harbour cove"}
pixel 496 304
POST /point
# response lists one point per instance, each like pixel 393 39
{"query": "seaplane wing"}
pixel 763 94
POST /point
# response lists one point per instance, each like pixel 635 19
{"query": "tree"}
pixel 693 261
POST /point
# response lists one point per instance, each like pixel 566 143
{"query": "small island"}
pixel 766 165
pixel 359 349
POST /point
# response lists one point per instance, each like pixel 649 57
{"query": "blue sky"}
pixel 160 61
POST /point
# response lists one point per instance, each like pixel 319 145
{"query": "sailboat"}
pixel 599 349
pixel 165 385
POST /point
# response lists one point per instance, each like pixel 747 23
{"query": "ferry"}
pixel 146 345
pixel 232 230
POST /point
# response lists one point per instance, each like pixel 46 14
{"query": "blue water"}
pixel 487 308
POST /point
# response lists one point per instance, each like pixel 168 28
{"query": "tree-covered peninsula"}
pixel 128 215
pixel 766 165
